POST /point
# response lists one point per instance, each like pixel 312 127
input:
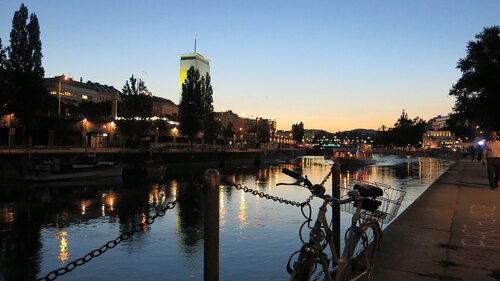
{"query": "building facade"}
pixel 74 92
pixel 164 107
pixel 197 61
pixel 438 139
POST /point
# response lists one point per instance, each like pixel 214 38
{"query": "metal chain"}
pixel 326 177
pixel 270 197
pixel 109 245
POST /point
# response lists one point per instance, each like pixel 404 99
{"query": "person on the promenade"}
pixel 472 152
pixel 491 154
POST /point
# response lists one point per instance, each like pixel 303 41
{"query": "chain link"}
pixel 326 177
pixel 109 245
pixel 270 197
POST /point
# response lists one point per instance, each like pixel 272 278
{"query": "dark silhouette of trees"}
pixel 406 132
pixel 298 132
pixel 477 92
pixel 24 93
pixel 136 107
pixel 196 106
pixel 210 126
pixel 3 79
pixel 263 130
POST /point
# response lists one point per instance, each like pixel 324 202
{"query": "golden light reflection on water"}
pixel 242 209
pixel 222 209
pixel 62 236
pixel 144 219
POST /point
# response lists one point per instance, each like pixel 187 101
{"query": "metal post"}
pixel 211 185
pixel 336 207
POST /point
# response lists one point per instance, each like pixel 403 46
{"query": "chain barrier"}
pixel 270 197
pixel 326 177
pixel 109 245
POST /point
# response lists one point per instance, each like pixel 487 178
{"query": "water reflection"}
pixel 44 227
pixel 63 246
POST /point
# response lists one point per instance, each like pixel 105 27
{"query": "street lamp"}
pixel 62 77
pixel 175 132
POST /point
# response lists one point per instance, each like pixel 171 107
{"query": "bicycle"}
pixel 362 238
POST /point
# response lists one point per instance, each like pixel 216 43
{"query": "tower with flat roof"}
pixel 193 59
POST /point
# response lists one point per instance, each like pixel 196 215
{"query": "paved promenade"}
pixel 451 232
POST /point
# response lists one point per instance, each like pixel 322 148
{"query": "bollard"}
pixel 211 183
pixel 336 207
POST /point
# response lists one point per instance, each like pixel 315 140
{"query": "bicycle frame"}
pixel 321 231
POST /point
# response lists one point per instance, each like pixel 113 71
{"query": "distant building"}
pixel 438 123
pixel 164 107
pixel 194 59
pixel 229 116
pixel 309 135
pixel 438 139
pixel 75 92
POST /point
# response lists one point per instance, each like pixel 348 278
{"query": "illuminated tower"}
pixel 193 59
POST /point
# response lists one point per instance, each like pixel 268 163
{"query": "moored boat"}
pixel 85 167
pixel 353 156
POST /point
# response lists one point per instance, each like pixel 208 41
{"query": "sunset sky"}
pixel 333 65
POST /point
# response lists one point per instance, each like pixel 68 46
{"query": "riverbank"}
pixel 13 161
pixel 451 232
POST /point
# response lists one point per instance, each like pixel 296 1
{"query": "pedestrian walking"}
pixel 472 152
pixel 491 154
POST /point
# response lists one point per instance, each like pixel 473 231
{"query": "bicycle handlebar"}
pixel 316 189
pixel 300 179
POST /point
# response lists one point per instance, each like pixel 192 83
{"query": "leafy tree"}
pixel 136 99
pixel 35 47
pixel 136 102
pixel 477 92
pixel 26 91
pixel 406 132
pixel 3 79
pixel 196 111
pixel 94 110
pixel 190 113
pixel 298 132
pixel 210 126
pixel 263 131
pixel 229 133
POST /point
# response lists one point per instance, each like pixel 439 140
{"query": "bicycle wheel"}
pixel 363 248
pixel 304 267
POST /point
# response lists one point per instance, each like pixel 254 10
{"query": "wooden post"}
pixel 336 207
pixel 211 185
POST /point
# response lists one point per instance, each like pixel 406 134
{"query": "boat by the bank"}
pixel 85 167
pixel 352 156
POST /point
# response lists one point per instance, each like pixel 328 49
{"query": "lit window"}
pixel 84 97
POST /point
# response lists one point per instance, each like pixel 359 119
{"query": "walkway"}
pixel 451 232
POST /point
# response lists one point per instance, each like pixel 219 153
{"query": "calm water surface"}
pixel 44 227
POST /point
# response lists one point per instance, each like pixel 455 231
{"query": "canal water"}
pixel 44 227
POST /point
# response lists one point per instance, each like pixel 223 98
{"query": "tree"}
pixel 477 91
pixel 406 132
pixel 263 130
pixel 136 106
pixel 209 125
pixel 25 92
pixel 136 98
pixel 196 111
pixel 35 47
pixel 190 113
pixel 298 132
pixel 3 79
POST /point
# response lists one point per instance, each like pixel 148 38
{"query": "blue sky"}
pixel 333 65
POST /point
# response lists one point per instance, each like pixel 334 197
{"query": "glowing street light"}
pixel 63 77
